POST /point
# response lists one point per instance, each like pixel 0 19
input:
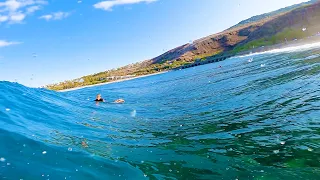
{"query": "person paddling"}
pixel 100 99
pixel 119 101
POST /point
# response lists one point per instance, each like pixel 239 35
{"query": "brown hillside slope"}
pixel 209 45
pixel 224 41
pixel 305 17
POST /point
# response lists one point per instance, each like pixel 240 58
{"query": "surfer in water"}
pixel 100 99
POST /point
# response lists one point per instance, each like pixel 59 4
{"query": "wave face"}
pixel 243 120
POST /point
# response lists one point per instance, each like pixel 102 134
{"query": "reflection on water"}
pixel 240 121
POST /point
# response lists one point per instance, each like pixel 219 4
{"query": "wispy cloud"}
pixel 55 16
pixel 4 18
pixel 15 11
pixel 17 17
pixel 33 9
pixel 107 5
pixel 4 43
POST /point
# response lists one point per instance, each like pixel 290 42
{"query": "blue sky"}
pixel 48 41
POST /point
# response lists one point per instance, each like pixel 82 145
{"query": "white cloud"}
pixel 32 9
pixel 15 11
pixel 46 17
pixel 60 15
pixel 3 18
pixel 107 5
pixel 11 5
pixel 4 43
pixel 55 16
pixel 18 17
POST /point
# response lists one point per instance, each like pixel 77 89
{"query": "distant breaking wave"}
pixel 287 49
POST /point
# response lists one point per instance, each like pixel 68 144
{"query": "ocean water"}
pixel 256 120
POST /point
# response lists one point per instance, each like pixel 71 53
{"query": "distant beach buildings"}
pixel 112 78
pixel 80 80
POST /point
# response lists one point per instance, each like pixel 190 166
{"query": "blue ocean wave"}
pixel 233 119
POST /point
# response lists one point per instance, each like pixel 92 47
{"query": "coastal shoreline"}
pixel 111 82
pixel 302 43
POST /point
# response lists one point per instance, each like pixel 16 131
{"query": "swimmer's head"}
pixel 98 96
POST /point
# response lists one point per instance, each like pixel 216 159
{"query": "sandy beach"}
pixel 121 80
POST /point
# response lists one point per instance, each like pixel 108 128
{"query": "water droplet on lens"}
pixel 133 113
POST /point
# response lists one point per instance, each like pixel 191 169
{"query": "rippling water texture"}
pixel 241 121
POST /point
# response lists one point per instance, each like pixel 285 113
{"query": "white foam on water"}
pixel 296 48
pixel 287 49
pixel 312 56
